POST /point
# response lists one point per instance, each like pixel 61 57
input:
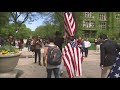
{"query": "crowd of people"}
pixel 34 44
pixel 107 48
pixel 108 51
pixel 18 43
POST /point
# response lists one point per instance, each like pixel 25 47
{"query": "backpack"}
pixel 54 56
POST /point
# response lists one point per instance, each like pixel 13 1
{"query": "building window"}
pixel 103 25
pixel 102 17
pixel 89 24
pixel 89 15
pixel 92 24
pixel 118 16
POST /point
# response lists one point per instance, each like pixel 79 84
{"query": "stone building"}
pixel 93 22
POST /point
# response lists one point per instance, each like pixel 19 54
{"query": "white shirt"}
pixel 87 44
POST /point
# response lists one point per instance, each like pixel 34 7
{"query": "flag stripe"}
pixel 69 22
pixel 80 61
pixel 66 60
pixel 71 56
pixel 66 31
pixel 72 59
pixel 69 65
pixel 67 68
pixel 70 62
pixel 76 60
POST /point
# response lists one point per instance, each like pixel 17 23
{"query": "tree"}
pixel 24 32
pixel 78 18
pixel 25 16
pixel 4 19
pixel 45 31
pixel 57 19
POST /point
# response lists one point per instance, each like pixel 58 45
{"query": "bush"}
pixel 92 47
pixel 118 41
pixel 91 40
pixel 6 49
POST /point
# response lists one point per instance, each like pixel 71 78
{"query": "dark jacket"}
pixel 108 53
pixel 59 41
pixel 38 44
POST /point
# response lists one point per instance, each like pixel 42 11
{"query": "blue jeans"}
pixel 55 71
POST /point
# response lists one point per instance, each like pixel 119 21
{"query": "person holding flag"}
pixel 72 55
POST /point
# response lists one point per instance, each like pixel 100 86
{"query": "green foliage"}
pixel 118 41
pixel 46 31
pixel 91 40
pixel 4 18
pixel 78 17
pixel 23 31
pixel 8 30
pixel 8 48
pixel 56 20
pixel 92 47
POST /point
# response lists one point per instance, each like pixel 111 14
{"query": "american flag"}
pixel 72 55
pixel 69 24
pixel 115 71
pixel 72 58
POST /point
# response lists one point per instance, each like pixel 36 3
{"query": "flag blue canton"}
pixel 115 71
pixel 73 44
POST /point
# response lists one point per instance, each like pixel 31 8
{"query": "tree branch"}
pixel 25 19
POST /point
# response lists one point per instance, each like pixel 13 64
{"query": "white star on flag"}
pixel 115 71
pixel 119 53
pixel 116 75
pixel 117 58
pixel 119 68
pixel 114 65
pixel 111 70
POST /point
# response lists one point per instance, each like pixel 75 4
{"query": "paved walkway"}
pixel 28 69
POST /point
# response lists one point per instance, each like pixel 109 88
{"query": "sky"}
pixel 34 24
